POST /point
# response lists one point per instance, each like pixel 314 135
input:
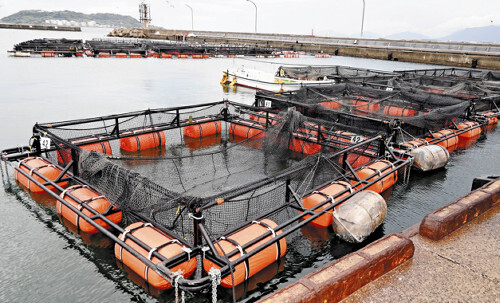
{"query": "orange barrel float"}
pixel 356 158
pixel 450 144
pixel 263 120
pixel 331 192
pixel 492 120
pixel 101 147
pixel 414 143
pixel 206 56
pixel 378 168
pixel 104 55
pixel 121 55
pixel 196 56
pixel 159 242
pixel 299 145
pixel 135 55
pixel 331 104
pixel 42 166
pixel 163 55
pixel 257 262
pixel 248 130
pixel 48 54
pixel 391 110
pixel 471 135
pixel 202 129
pixel 365 106
pixel 91 198
pixel 143 141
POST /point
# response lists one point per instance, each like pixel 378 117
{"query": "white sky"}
pixel 433 18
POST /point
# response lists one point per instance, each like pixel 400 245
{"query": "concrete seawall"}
pixel 405 263
pixel 41 27
pixel 441 53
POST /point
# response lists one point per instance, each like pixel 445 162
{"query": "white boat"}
pixel 19 54
pixel 268 81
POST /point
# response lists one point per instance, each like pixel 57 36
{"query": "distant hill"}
pixel 38 17
pixel 486 34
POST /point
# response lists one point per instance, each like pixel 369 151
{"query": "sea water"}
pixel 42 260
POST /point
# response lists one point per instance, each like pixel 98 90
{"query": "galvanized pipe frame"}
pixel 311 212
pixel 164 264
pixel 162 271
pixel 314 215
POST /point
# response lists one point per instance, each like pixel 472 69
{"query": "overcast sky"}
pixel 432 18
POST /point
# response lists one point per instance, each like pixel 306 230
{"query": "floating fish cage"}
pixel 411 120
pixel 220 189
pixel 134 48
pixel 334 72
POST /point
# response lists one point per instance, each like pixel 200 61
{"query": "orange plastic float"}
pixel 248 130
pixel 121 55
pixel 391 110
pixel 470 136
pixel 102 147
pixel 159 242
pixel 331 192
pixel 414 143
pixel 331 104
pixel 202 129
pixel 164 55
pixel 257 262
pixel 92 199
pixel 298 144
pixel 378 168
pixel 450 144
pixel 42 166
pixel 143 141
pixel 360 105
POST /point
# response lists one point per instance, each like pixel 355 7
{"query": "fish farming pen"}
pixel 207 197
pixel 135 48
pixel 220 189
pixel 335 72
pixel 412 120
pixel 51 47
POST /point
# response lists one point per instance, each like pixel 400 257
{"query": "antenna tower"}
pixel 145 14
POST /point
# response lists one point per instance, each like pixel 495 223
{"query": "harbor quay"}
pixel 451 256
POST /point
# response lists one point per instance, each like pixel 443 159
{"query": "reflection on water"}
pixel 75 266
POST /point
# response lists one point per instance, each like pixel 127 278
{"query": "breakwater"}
pixel 41 27
pixel 473 55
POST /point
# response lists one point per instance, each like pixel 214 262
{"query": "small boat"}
pixel 19 54
pixel 268 81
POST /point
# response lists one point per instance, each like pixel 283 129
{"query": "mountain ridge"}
pixel 40 17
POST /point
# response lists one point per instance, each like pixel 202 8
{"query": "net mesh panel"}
pixel 339 73
pixel 251 176
pixel 482 92
pixel 416 109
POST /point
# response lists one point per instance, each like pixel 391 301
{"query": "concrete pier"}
pixel 473 55
pixel 451 256
pixel 41 27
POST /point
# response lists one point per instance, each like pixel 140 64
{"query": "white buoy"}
pixel 359 216
pixel 430 157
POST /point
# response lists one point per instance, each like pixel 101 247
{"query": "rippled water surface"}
pixel 44 261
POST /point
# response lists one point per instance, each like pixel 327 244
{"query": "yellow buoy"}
pixel 233 83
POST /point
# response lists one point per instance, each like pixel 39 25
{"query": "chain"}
pixel 176 286
pixel 215 274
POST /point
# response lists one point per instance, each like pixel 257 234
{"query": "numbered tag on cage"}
pixel 390 89
pixel 356 139
pixel 267 103
pixel 44 143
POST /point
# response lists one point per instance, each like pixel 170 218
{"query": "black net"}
pixel 252 175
